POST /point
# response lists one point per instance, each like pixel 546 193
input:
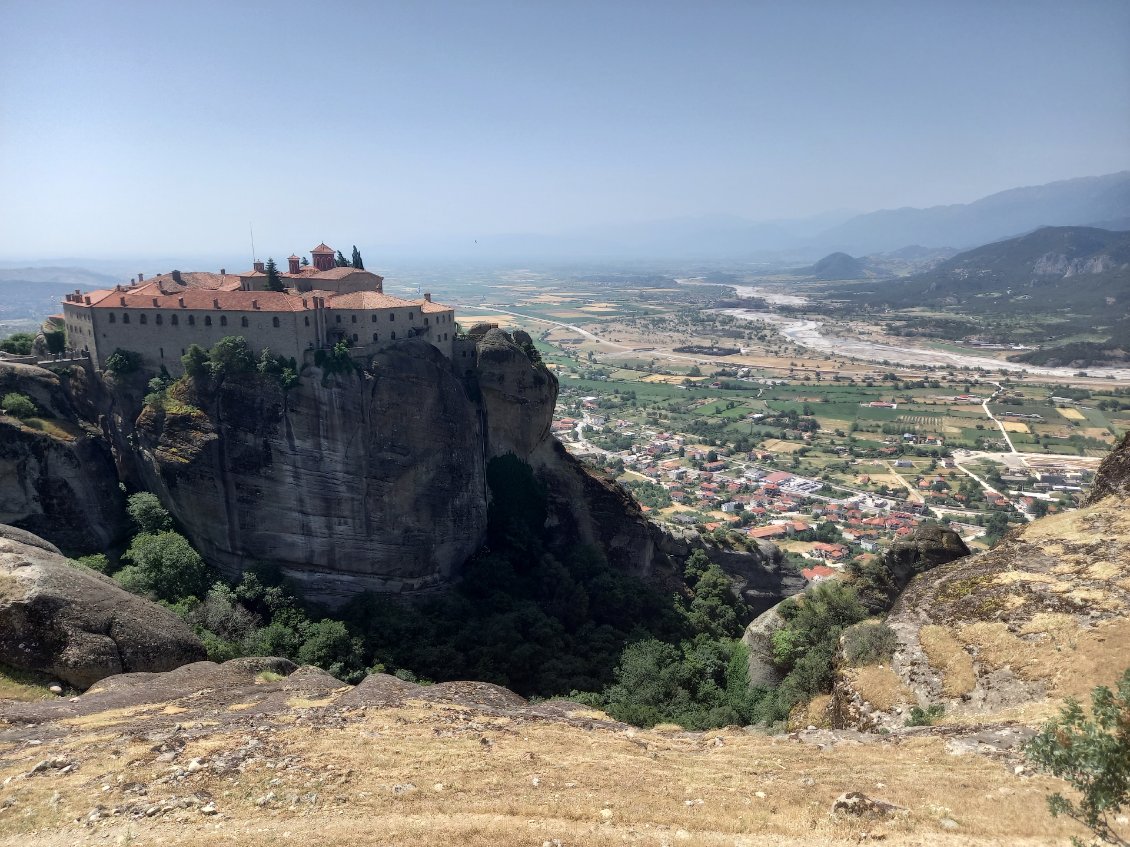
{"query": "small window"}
pixel 243 321
pixel 307 319
pixel 391 316
pixel 411 316
pixel 355 336
pixel 425 321
pixel 182 351
pixel 223 320
pixel 142 319
pixel 113 317
pixel 162 351
pixel 158 320
pixel 207 320
pixel 192 320
pixel 354 317
pixel 275 322
pixel 374 318
pixel 394 336
pixel 338 318
pixel 374 336
pixel 174 320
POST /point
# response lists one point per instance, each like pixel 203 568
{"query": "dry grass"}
pixel 23 685
pixel 1072 414
pixel 1015 426
pixel 949 657
pixel 880 686
pixel 470 793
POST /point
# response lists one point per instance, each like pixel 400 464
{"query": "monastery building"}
pixel 321 305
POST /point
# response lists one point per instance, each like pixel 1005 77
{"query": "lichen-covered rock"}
pixel 1113 476
pixel 77 625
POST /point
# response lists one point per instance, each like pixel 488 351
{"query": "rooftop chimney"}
pixel 154 301
pixel 215 302
pixel 254 304
pixel 428 296
pixel 123 299
pixel 222 272
pixel 180 300
pixel 87 301
pixel 141 277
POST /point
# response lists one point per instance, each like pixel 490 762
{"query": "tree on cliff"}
pixel 148 513
pixel 274 281
pixel 164 565
pixel 357 263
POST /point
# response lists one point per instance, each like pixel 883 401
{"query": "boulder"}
pixel 75 624
pixel 758 639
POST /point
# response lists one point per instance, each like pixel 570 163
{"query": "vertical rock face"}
pixel 363 481
pixel 57 473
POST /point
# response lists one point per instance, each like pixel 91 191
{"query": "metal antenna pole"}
pixel 254 258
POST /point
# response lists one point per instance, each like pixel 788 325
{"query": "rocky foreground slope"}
pixel 254 752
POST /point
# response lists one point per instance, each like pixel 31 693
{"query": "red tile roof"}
pixel 322 248
pixel 239 301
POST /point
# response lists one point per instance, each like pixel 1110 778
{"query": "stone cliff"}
pixel 366 480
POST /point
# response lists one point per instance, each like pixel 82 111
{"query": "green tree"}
pixel 195 361
pixel 340 260
pixel 165 566
pixel 274 281
pixel 305 262
pixel 147 513
pixel 122 362
pixel 1093 755
pixel 18 344
pixel 357 263
pixel 231 355
pixel 18 405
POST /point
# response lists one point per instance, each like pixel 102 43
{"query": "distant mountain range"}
pixel 1102 201
pixel 1083 270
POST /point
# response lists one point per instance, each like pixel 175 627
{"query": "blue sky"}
pixel 144 128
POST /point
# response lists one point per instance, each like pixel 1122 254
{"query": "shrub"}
pixel 869 643
pixel 148 513
pixel 122 362
pixel 230 355
pixel 96 562
pixel 18 405
pixel 924 717
pixel 1093 755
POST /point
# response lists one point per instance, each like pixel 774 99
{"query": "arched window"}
pixel 411 316
pixel 192 320
pixel 354 318
pixel 243 321
pixel 425 321
pixel 112 317
pixel 354 336
pixel 142 319
pixel 374 318
pixel 275 322
pixel 393 336
pixel 223 320
pixel 374 336
pixel 158 321
pixel 338 318
pixel 307 320
pixel 174 321
pixel 207 320
pixel 391 316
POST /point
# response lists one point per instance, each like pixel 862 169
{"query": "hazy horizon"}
pixel 132 129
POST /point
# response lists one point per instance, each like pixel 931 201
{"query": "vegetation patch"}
pixel 948 656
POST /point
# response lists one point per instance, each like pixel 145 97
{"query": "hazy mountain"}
pixel 836 266
pixel 76 277
pixel 1081 269
pixel 1074 202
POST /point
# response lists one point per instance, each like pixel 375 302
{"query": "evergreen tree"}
pixel 341 261
pixel 305 262
pixel 357 263
pixel 274 281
